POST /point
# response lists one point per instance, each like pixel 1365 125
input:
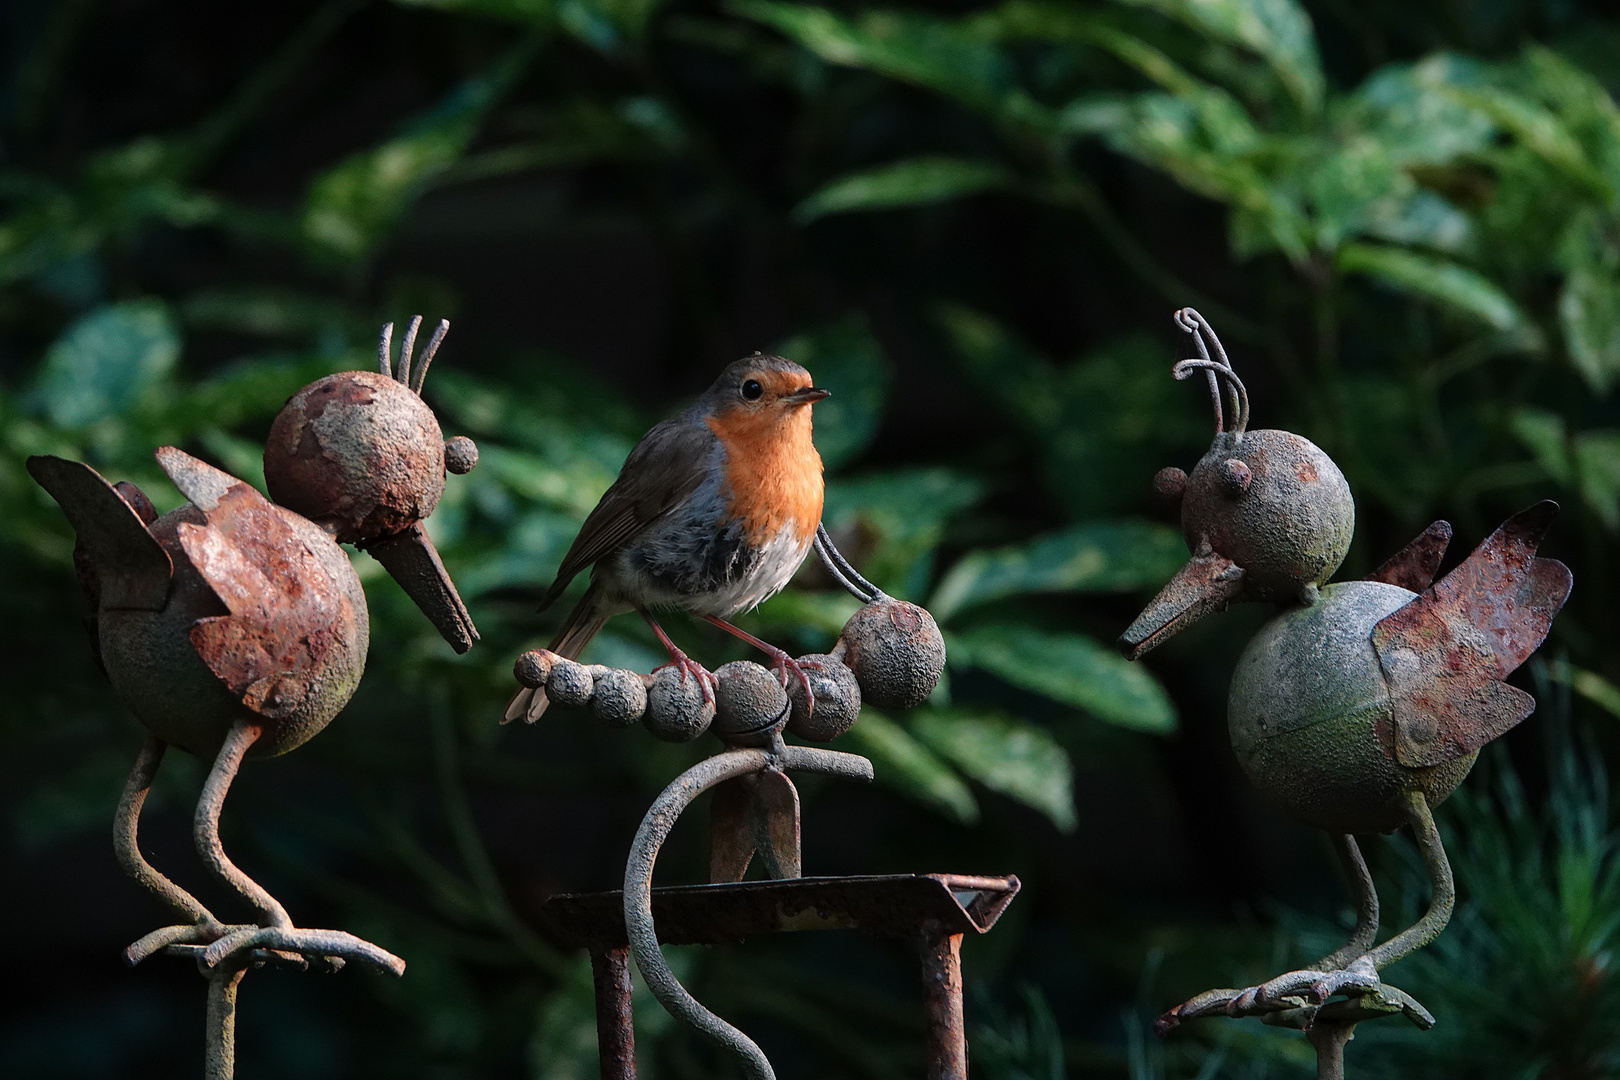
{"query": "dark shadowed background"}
pixel 972 222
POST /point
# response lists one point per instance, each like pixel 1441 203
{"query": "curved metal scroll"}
pixel 638 871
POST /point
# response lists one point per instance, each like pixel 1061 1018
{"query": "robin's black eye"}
pixel 751 389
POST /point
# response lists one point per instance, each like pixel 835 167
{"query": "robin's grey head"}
pixel 760 384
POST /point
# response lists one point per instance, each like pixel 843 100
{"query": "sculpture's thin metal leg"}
pixel 243 734
pixel 126 841
pixel 1329 1037
pixel 615 1023
pixel 1366 931
pixel 219 1049
pixel 942 1001
pixel 1444 898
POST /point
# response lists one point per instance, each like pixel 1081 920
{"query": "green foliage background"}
pixel 970 221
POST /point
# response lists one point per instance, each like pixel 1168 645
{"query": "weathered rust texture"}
pixel 615 1021
pixel 1445 653
pixel 941 954
pixel 887 905
pixel 358 453
pixel 758 813
pixel 1414 566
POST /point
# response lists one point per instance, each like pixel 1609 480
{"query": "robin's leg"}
pixel 683 663
pixel 781 661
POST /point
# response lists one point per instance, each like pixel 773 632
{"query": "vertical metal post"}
pixel 942 1000
pixel 219 1049
pixel 615 1024
pixel 1329 1038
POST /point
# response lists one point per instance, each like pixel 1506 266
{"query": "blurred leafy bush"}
pixel 1407 225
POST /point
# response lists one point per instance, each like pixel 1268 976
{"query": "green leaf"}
pixel 351 207
pixel 108 362
pixel 1441 280
pixel 905 511
pixel 1589 315
pixel 1279 31
pixel 1068 668
pixel 919 49
pixel 845 358
pixel 913 182
pixel 910 767
pixel 1109 556
pixel 1588 461
pixel 1008 756
pixel 528 12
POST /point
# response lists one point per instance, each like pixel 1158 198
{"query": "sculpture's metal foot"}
pixel 330 949
pixel 199 934
pixel 1298 999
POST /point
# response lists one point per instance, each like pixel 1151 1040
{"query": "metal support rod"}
pixel 1329 1037
pixel 243 734
pixel 1361 882
pixel 126 840
pixel 615 1023
pixel 942 1000
pixel 1444 898
pixel 219 1049
pixel 638 870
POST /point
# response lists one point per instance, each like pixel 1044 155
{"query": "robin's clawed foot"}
pixel 687 666
pixel 782 664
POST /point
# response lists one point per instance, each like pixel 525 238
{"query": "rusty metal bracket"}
pixel 932 910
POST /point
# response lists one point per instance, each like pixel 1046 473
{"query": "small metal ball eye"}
pixel 751 390
pixel 1234 478
pixel 1170 483
pixel 460 455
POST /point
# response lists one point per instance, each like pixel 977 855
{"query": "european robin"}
pixel 712 513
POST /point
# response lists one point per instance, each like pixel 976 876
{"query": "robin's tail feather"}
pixel 582 624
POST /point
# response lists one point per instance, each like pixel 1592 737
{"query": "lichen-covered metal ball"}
pixel 895 650
pixel 750 705
pixel 358 453
pixel 618 697
pixel 837 695
pixel 1273 503
pixel 569 683
pixel 532 669
pixel 1311 715
pixel 676 708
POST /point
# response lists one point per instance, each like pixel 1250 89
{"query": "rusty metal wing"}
pixel 1446 652
pixel 131 568
pixel 283 604
pixel 1414 566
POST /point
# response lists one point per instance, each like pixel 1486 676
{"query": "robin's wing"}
pixel 1446 652
pixel 1414 566
pixel 662 472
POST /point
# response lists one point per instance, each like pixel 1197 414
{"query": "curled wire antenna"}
pixel 406 348
pixel 1217 369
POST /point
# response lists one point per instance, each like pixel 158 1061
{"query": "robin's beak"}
pixel 414 562
pixel 1205 585
pixel 807 395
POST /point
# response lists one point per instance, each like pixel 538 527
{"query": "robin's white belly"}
pixel 702 569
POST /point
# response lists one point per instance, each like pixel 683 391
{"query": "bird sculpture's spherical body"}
pixel 1311 715
pixel 152 658
pixel 359 453
pixel 1274 504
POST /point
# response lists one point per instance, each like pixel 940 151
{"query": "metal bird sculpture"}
pixel 234 626
pixel 1361 705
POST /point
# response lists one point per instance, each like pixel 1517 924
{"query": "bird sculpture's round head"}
pixel 360 454
pixel 1266 514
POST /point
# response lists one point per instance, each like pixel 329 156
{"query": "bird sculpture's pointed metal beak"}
pixel 1206 584
pixel 808 395
pixel 414 562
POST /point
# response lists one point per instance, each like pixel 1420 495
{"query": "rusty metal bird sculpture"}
pixel 1361 705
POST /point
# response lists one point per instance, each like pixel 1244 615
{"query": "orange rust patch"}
pixel 1307 471
pixel 772 468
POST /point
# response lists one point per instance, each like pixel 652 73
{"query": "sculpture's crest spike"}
pixel 403 372
pixel 1217 368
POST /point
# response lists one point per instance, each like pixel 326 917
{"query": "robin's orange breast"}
pixel 772 472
